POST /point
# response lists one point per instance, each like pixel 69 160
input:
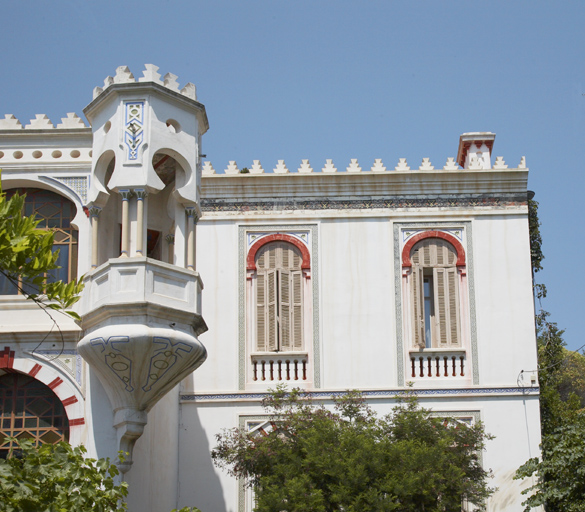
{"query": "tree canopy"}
pixel 560 472
pixel 321 460
pixel 58 478
pixel 27 257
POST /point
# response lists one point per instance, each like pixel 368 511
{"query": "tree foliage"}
pixel 536 254
pixel 58 478
pixel 561 470
pixel 560 473
pixel 320 460
pixel 27 257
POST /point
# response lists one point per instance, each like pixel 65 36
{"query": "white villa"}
pixel 206 287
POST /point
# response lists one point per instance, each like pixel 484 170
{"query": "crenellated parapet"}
pixel 41 144
pixel 473 185
pixel 150 74
pixel 42 122
pixel 354 167
pixel 474 154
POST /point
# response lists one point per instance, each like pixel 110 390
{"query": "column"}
pixel 94 213
pixel 191 220
pixel 126 194
pixel 140 197
pixel 170 238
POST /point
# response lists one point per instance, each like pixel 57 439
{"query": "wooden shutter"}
pixel 418 322
pixel 272 311
pixel 296 321
pixel 279 302
pixel 453 294
pixel 261 310
pixel 266 311
pixel 285 309
pixel 446 307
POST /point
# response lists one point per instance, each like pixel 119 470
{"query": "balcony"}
pixel 143 286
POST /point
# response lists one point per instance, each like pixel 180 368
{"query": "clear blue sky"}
pixel 338 79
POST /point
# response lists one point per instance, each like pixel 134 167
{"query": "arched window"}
pixel 55 213
pixel 279 298
pixel 30 410
pixel 435 294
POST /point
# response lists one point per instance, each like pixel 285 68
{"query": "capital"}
pixel 126 194
pixel 192 211
pixel 94 211
pixel 140 193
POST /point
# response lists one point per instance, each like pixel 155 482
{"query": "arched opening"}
pixel 161 212
pixel 29 410
pixel 54 213
pixel 110 225
pixel 279 298
pixel 435 293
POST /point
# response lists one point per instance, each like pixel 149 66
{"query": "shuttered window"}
pixel 279 300
pixel 435 294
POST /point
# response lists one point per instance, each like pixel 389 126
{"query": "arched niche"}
pixel 162 206
pixel 102 173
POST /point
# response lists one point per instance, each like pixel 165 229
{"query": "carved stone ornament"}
pixel 137 365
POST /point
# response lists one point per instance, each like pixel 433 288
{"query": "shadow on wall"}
pixel 104 434
pixel 199 480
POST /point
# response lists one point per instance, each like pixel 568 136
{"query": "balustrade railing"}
pixel 279 367
pixel 436 364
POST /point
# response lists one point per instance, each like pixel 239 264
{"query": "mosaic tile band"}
pixel 504 201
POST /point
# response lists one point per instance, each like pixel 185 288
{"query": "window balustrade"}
pixel 279 367
pixel 438 363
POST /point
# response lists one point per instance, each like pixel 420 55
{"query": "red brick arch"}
pixel 63 389
pixel 433 234
pixel 251 260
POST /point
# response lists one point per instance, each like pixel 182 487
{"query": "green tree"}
pixel 58 478
pixel 561 472
pixel 27 257
pixel 320 460
pixel 560 484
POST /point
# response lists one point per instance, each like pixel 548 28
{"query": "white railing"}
pixel 280 367
pixel 438 363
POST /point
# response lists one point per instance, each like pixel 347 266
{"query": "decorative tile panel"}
pixel 133 129
pixel 504 201
pixel 68 360
pixel 382 393
pixel 77 184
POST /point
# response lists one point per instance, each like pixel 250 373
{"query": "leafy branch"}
pixel 27 258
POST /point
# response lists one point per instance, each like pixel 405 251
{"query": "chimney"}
pixel 475 150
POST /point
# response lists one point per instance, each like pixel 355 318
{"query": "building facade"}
pixel 204 289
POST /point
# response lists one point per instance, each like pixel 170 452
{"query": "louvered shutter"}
pixel 261 311
pixel 418 323
pixel 272 311
pixel 279 298
pixel 446 307
pixel 453 303
pixel 296 321
pixel 285 309
pixel 441 304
